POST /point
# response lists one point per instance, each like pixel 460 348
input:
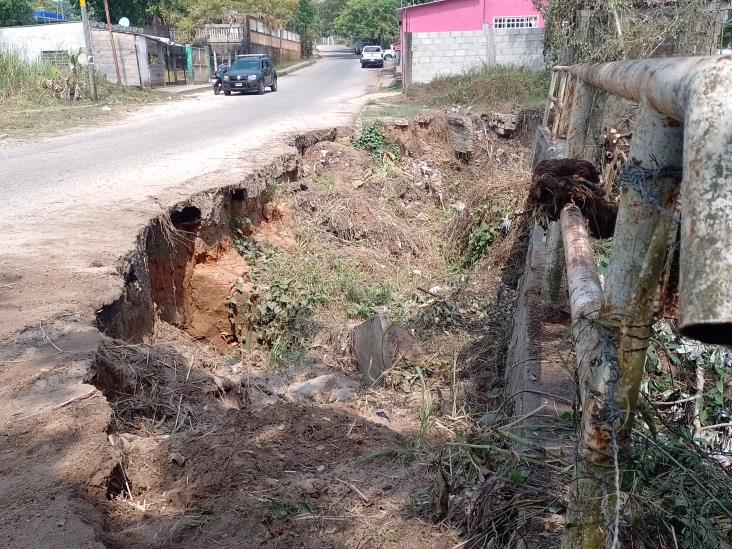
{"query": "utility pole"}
pixel 89 52
pixel 111 41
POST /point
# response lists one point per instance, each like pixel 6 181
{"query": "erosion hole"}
pixel 189 215
pixel 117 482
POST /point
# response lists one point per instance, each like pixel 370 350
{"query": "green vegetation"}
pixel 395 110
pixel 628 30
pixel 494 87
pixel 304 22
pixel 679 491
pixel 38 94
pixel 19 78
pixel 328 12
pixel 16 12
pixel 375 19
pixel 375 140
pixel 189 14
pixel 36 83
pixel 369 19
pixel 479 243
pixel 289 289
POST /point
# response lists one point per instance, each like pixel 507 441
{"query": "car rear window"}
pixel 246 64
pixel 372 48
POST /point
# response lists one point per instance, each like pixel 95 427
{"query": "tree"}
pixel 369 19
pixel 139 12
pixel 328 12
pixel 15 12
pixel 305 24
pixel 188 15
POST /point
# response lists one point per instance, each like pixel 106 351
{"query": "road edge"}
pixel 298 66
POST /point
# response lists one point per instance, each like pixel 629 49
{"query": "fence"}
pixel 248 36
pixel 199 64
pixel 682 143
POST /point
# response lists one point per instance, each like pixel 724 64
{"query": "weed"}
pixel 375 140
pixel 601 249
pixel 384 534
pixel 398 109
pixel 494 87
pixel 275 308
pixel 34 83
pixel 365 300
pixel 403 451
pixel 285 508
pixel 479 243
pixel 324 181
pixel 248 248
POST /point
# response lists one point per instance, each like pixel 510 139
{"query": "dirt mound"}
pixel 277 439
pixel 334 161
pixel 237 456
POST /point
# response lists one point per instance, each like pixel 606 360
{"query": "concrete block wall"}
pixel 437 54
pixel 126 57
pixel 519 47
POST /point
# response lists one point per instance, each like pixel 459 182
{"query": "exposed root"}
pixel 556 183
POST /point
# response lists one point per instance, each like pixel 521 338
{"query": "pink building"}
pixel 450 36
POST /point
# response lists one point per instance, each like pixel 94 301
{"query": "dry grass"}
pixel 493 88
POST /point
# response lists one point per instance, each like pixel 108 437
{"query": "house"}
pixel 448 37
pixel 248 36
pixel 143 59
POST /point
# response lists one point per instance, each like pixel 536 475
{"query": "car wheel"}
pixel 273 87
pixel 381 65
pixel 260 89
pixel 363 66
pixel 227 92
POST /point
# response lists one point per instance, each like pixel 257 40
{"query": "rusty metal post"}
pixel 705 286
pixel 639 245
pixel 579 119
pixel 111 42
pixel 584 516
pixel 636 264
pixel 694 90
pixel 551 287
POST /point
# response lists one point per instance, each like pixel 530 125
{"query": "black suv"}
pixel 250 73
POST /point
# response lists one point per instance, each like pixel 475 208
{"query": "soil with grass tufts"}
pixel 239 415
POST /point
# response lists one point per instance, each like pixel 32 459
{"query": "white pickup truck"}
pixel 372 56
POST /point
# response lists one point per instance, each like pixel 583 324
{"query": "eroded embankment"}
pixel 205 453
pixel 194 232
pixel 239 413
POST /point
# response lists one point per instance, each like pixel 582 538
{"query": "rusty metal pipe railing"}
pixel 695 91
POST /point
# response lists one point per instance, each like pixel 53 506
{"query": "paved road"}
pixel 165 144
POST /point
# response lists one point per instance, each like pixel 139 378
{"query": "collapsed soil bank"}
pixel 202 455
pixel 217 447
pixel 196 231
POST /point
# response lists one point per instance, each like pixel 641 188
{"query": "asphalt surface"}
pixel 136 155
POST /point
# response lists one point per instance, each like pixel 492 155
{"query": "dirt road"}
pixel 61 195
pixel 73 207
pixel 163 145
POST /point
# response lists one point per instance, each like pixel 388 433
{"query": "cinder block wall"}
pixel 127 60
pixel 447 53
pixel 519 47
pixel 443 53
